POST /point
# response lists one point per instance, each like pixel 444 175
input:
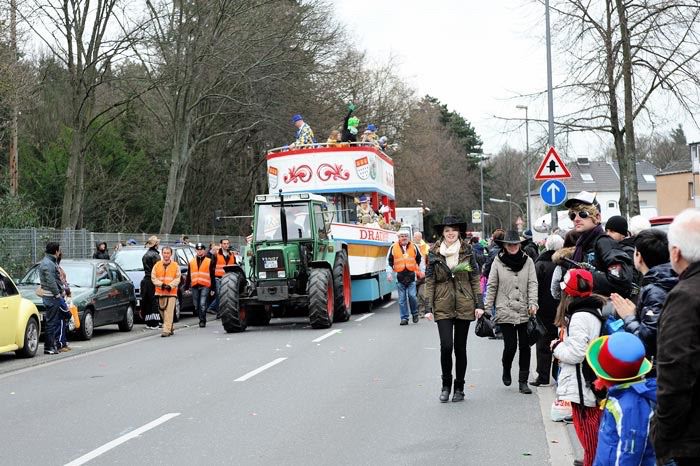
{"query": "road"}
pixel 363 392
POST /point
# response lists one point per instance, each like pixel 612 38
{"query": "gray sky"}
pixel 476 57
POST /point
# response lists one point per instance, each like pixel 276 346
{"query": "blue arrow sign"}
pixel 553 192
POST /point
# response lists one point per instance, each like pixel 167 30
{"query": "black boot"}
pixel 506 377
pixel 522 382
pixel 445 391
pixel 458 391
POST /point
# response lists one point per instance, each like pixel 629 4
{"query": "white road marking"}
pixel 118 441
pixel 323 337
pixel 360 319
pixel 255 372
pixel 387 305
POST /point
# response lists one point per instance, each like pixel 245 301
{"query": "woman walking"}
pixel 452 299
pixel 579 316
pixel 512 286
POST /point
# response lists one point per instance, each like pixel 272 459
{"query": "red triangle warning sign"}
pixel 552 167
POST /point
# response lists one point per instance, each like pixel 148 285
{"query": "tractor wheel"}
pixel 233 317
pixel 342 288
pixel 321 302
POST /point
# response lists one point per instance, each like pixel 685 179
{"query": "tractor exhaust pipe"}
pixel 283 219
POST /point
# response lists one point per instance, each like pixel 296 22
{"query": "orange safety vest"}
pixel 200 275
pixel 222 262
pixel 404 261
pixel 166 275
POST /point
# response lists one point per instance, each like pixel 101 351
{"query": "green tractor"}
pixel 292 262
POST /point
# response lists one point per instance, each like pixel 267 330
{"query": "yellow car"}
pixel 19 320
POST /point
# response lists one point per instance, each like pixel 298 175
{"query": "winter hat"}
pixel 371 127
pixel 296 118
pixel 618 224
pixel 618 357
pixel 577 283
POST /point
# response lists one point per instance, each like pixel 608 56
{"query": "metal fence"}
pixel 20 248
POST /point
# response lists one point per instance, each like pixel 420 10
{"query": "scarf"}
pixel 584 242
pixel 514 262
pixel 451 253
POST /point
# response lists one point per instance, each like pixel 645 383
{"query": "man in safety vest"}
pixel 221 259
pixel 420 282
pixel 199 281
pixel 404 259
pixel 166 277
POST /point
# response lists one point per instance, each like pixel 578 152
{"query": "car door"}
pixel 9 310
pixel 120 292
pixel 104 299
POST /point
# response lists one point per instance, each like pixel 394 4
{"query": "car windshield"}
pixel 268 226
pixel 130 259
pixel 78 275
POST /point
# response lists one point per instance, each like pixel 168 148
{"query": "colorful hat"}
pixel 353 122
pixel 577 283
pixel 618 357
pixel 363 198
pixel 296 118
pixel 371 127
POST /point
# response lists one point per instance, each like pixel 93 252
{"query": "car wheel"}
pixel 87 326
pixel 128 322
pixel 31 339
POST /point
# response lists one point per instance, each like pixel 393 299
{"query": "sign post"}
pixel 551 170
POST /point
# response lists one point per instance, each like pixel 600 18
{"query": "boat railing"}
pixel 328 145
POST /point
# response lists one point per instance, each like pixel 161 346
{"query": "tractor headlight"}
pixel 281 274
pixel 262 274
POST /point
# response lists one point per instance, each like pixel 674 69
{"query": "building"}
pixel 676 185
pixel 602 177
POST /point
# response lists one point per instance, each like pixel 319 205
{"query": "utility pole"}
pixel 528 173
pixel 550 100
pixel 13 165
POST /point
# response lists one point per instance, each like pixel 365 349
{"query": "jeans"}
pixel 407 291
pixel 199 299
pixel 515 337
pixel 52 316
pixel 214 306
pixel 453 336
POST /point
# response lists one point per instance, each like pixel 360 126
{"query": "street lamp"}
pixel 527 162
pixel 503 201
pixel 482 159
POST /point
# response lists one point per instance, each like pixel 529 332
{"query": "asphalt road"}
pixel 363 392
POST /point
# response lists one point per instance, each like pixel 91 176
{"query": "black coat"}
pixel 493 253
pixel 656 284
pixel 530 248
pixel 675 428
pixel 149 260
pixel 345 134
pixel 544 268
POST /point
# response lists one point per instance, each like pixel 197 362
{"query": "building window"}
pixel 612 204
pixel 649 178
pixel 587 177
pixel 691 190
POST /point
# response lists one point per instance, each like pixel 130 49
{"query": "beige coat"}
pixel 512 292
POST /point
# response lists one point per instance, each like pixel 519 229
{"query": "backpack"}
pixel 589 377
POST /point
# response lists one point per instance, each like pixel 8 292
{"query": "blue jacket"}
pixel 623 437
pixel 656 284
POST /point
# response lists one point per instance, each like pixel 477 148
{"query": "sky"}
pixel 477 57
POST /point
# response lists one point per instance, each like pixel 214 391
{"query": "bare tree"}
pixel 627 51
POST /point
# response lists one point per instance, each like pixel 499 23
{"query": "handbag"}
pixel 484 326
pixel 535 330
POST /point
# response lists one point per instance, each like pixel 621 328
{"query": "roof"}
pixel 603 176
pixel 678 166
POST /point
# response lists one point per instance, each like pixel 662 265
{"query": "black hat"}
pixel 617 224
pixel 450 221
pixel 200 246
pixel 511 237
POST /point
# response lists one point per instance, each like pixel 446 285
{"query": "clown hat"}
pixel 577 283
pixel 618 357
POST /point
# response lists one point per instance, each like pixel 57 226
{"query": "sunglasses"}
pixel 582 215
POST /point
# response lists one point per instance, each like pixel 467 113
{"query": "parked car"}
pixel 19 320
pixel 100 289
pixel 662 222
pixel 129 258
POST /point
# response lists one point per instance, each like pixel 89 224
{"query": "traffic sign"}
pixel 553 192
pixel 476 216
pixel 552 167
